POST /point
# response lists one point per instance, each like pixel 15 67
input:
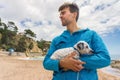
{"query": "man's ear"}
pixel 75 14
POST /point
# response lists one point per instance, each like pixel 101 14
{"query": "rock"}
pixel 115 64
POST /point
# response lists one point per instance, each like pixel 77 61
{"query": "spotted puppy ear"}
pixel 80 46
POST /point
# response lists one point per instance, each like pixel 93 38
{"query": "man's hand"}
pixel 70 63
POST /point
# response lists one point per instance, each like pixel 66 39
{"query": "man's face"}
pixel 66 16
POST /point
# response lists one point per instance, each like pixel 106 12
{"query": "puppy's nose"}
pixel 91 51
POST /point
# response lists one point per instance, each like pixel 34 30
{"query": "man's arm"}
pixel 49 63
pixel 100 57
pixel 70 63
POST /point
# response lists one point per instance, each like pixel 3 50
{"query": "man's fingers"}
pixel 70 63
pixel 77 68
pixel 81 62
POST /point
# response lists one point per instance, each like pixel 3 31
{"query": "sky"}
pixel 42 17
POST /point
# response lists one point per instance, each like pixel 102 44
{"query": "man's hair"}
pixel 72 6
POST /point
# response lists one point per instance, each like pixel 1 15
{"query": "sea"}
pixel 108 69
pixel 115 56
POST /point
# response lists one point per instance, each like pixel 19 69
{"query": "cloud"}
pixel 102 16
pixel 42 16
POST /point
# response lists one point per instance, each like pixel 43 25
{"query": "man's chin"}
pixel 63 24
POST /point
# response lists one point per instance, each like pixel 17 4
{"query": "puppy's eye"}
pixel 86 46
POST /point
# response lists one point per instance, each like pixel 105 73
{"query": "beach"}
pixel 16 68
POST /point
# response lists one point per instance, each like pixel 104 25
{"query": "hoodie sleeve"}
pixel 100 58
pixel 48 63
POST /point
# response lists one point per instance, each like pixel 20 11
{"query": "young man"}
pixel 87 65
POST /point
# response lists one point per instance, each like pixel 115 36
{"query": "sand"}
pixel 14 68
pixel 107 76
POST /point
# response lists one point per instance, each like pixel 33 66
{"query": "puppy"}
pixel 80 47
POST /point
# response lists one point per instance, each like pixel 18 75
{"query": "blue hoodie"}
pixel 99 59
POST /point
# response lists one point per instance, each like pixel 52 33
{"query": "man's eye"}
pixel 63 13
pixel 86 46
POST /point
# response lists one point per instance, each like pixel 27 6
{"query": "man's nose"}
pixel 60 16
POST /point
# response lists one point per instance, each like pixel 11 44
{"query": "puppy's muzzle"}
pixel 91 51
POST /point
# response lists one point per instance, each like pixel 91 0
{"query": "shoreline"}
pixel 21 68
pixel 112 71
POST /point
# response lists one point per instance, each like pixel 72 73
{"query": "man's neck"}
pixel 72 28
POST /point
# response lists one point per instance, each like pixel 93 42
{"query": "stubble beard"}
pixel 65 23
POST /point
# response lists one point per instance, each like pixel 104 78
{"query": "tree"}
pixel 0 21
pixel 44 45
pixel 8 32
pixel 29 33
pixel 3 31
pixel 12 26
pixel 9 38
pixel 22 45
pixel 30 45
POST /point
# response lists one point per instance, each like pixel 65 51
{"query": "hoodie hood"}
pixel 67 33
